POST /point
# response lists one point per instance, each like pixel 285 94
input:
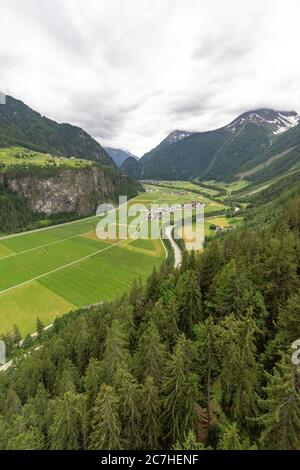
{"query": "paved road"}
pixel 177 251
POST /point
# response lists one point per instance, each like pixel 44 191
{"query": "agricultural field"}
pixel 229 187
pixel 52 271
pixel 13 156
pixel 179 194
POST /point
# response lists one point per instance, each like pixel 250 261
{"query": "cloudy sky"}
pixel 131 71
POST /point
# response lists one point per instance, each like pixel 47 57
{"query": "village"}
pixel 158 213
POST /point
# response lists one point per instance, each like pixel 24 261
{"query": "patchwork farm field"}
pixel 51 271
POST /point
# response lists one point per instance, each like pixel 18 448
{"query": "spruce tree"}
pixel 238 366
pixel 16 335
pixel 207 358
pixel 188 302
pixel 280 273
pixel 229 289
pixel 150 356
pixel 165 317
pixel 210 263
pixel 289 319
pixel 39 327
pixel 180 391
pixel 69 430
pixel 115 353
pixel 106 428
pixel 92 379
pixel 129 394
pixel 190 443
pixel 281 407
pixel 231 439
pixel 150 414
pixel 152 287
pixel 68 380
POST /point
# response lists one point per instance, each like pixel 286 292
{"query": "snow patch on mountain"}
pixel 276 121
pixel 287 122
pixel 175 136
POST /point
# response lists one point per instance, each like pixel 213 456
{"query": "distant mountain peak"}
pixel 276 121
pixel 176 136
pixel 119 156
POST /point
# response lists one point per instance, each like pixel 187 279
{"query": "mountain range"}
pixel 119 156
pixel 257 145
pixel 254 143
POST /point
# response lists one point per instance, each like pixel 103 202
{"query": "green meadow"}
pixel 52 271
pixel 12 156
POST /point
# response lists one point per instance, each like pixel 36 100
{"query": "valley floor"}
pixel 48 272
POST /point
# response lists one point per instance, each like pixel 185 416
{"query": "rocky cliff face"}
pixel 68 190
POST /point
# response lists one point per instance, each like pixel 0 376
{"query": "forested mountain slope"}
pixel 250 140
pixel 20 125
pixel 199 357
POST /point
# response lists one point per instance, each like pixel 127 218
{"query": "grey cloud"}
pixel 221 49
pixel 127 72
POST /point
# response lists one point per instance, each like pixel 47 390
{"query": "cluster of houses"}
pixel 218 228
pixel 157 213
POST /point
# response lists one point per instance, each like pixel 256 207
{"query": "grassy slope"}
pixel 11 156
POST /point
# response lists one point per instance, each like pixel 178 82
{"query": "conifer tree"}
pixel 231 439
pixel 153 287
pixel 138 301
pixel 69 430
pixel 150 356
pixel 115 353
pixel 150 414
pixel 68 380
pixel 281 407
pixel 229 289
pixel 16 335
pixel 280 272
pixel 238 366
pixel 189 302
pixel 210 263
pixel 31 439
pixel 129 394
pixel 40 406
pixel 92 379
pixel 207 358
pixel 39 327
pixel 289 319
pixel 190 443
pixel 165 317
pixel 180 391
pixel 106 429
pixel 12 405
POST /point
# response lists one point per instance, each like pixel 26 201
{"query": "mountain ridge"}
pixel 23 126
pixel 223 153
